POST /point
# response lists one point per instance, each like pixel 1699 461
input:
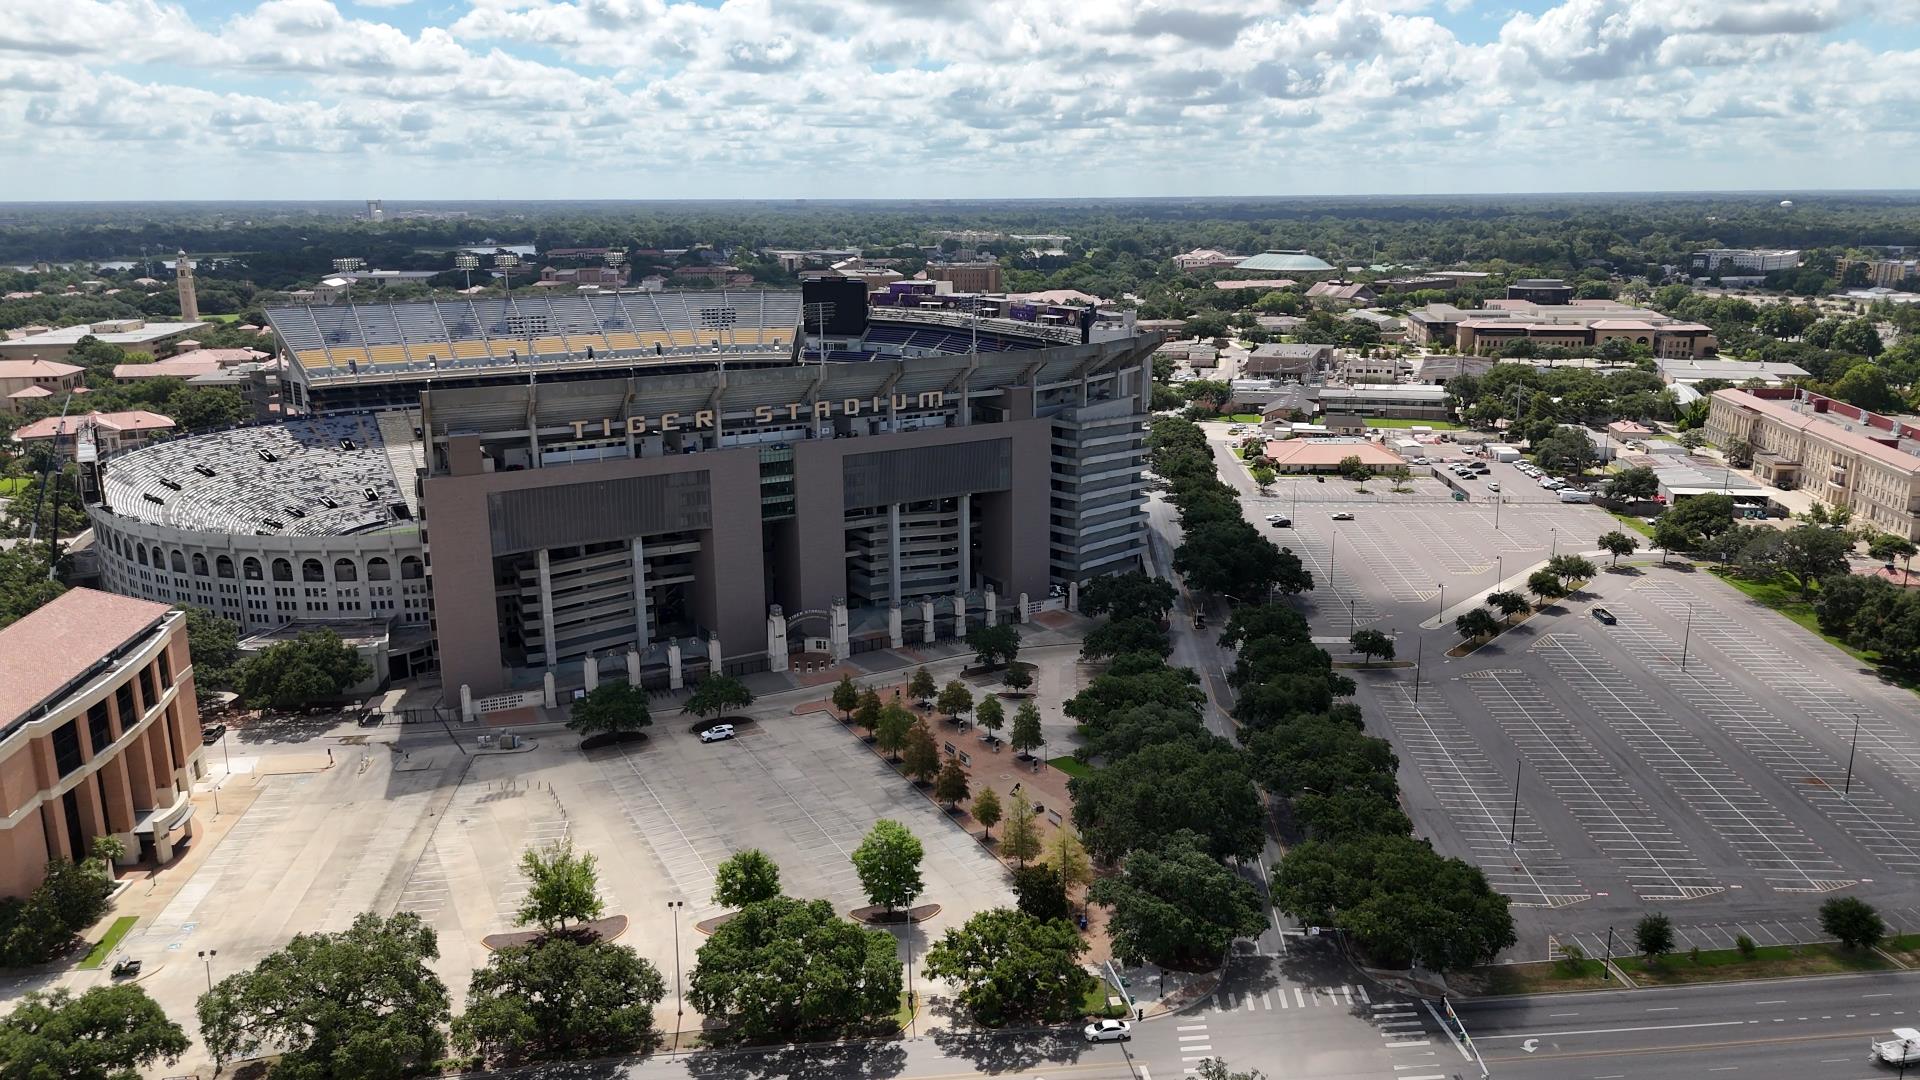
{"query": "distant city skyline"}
pixel 640 99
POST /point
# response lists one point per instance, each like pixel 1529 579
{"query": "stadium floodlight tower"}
pixel 348 265
pixel 467 262
pixel 505 262
pixel 615 258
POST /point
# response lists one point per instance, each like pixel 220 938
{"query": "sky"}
pixel 650 99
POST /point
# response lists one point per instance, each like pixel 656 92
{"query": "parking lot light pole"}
pixel 1419 650
pixel 1513 822
pixel 679 1003
pixel 1686 637
pixel 1554 545
pixel 1851 751
pixel 1442 613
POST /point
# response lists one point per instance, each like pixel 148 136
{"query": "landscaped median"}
pixel 1697 966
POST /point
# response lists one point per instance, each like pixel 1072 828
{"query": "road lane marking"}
pixel 1422 1042
pixel 1606 1031
pixel 1664 1008
pixel 1782 1001
pixel 1195 1038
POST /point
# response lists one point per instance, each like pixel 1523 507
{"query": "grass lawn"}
pixel 1768 962
pixel 1246 418
pixel 99 953
pixel 1098 1008
pixel 1904 948
pixel 1546 977
pixel 1782 594
pixel 903 1015
pixel 1636 525
pixel 1071 766
pixel 1388 422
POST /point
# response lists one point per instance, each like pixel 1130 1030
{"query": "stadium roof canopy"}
pixel 1290 262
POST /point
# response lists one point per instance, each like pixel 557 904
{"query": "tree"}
pixel 561 998
pixel 71 896
pixel 1371 643
pixel 1886 547
pixel 921 686
pixel 214 645
pixel 1811 553
pixel 1017 677
pixel 869 712
pixel 921 759
pixel 792 970
pixel 1263 477
pixel 1702 515
pixel 1617 543
pixel 1653 935
pixel 1160 790
pixel 24 585
pixel 951 785
pixel 1117 637
pixel 1216 1069
pixel 1009 966
pixel 1041 892
pixel 1127 596
pixel 955 699
pixel 888 862
pixel 1399 901
pixel 1865 385
pixel 994 645
pixel 1546 585
pixel 1639 482
pixel 746 877
pixel 990 715
pixel 1020 840
pixel 611 708
pixel 1068 858
pixel 359 1004
pixel 986 811
pixel 1669 536
pixel 846 697
pixel 895 727
pixel 1571 568
pixel 107 1033
pixel 1476 624
pixel 1853 922
pixel 1509 603
pixel 205 408
pixel 314 667
pixel 1173 903
pixel 561 887
pixel 1564 450
pixel 1027 735
pixel 718 694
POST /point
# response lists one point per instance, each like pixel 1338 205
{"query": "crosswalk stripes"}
pixel 1195 1046
pixel 1296 997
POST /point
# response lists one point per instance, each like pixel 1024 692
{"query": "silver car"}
pixel 1108 1031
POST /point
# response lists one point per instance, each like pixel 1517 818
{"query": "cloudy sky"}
pixel 132 99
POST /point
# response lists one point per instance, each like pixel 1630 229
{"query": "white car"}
pixel 717 732
pixel 1344 515
pixel 1108 1031
pixel 1494 486
pixel 1422 461
pixel 1276 517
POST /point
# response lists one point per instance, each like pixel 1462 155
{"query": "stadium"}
pixel 527 491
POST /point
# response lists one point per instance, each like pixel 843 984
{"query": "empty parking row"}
pixel 1655 862
pixel 1506 842
pixel 1758 831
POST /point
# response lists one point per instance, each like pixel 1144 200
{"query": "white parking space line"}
pixel 1760 832
pixel 1655 862
pixel 1479 801
pixel 1386 564
pixel 1865 815
pixel 1344 602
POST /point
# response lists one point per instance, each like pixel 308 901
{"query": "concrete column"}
pixel 466 702
pixel 1073 596
pixel 893 553
pixel 550 694
pixel 675 680
pixel 966 544
pixel 714 656
pixel 777 658
pixel 960 613
pixel 926 621
pixel 991 603
pixel 895 636
pixel 639 597
pixel 633 668
pixel 119 796
pixel 590 672
pixel 1025 614
pixel 549 647
pixel 839 641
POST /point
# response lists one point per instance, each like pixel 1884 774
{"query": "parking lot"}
pixel 1693 757
pixel 426 827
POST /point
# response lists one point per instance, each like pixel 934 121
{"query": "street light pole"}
pixel 1419 651
pixel 1686 638
pixel 679 1003
pixel 206 957
pixel 1554 548
pixel 910 1009
pixel 1513 822
pixel 1851 751
pixel 1442 613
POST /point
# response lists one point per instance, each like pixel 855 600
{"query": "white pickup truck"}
pixel 1903 1049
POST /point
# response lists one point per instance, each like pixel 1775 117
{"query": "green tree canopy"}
pixel 214 644
pixel 1162 789
pixel 610 708
pixel 1027 735
pixel 1653 935
pixel 846 696
pixel 717 695
pixel 1617 543
pixel 361 1004
pixel 1639 482
pixel 561 998
pixel 315 667
pixel 792 970
pixel 1010 967
pixel 1116 637
pixel 921 687
pixel 990 714
pixel 25 583
pixel 1127 596
pixel 1397 899
pixel 562 887
pixel 1174 903
pixel 746 877
pixel 1371 644
pixel 888 862
pixel 1852 921
pixel 994 645
pixel 955 698
pixel 106 1033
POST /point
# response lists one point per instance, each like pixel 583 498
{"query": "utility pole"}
pixel 1851 751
